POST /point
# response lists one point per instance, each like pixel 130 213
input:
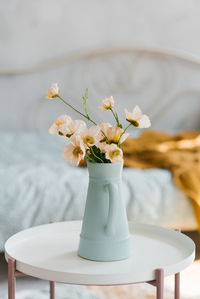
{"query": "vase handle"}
pixel 112 211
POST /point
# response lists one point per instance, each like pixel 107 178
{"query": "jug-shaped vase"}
pixel 105 233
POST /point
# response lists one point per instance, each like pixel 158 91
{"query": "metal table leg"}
pixel 177 280
pixel 177 286
pixel 13 273
pixel 159 284
pixel 52 289
pixel 11 278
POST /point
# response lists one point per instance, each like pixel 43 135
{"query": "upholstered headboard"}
pixel 165 84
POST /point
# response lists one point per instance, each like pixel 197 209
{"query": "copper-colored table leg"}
pixel 159 284
pixel 177 286
pixel 52 290
pixel 11 278
pixel 177 280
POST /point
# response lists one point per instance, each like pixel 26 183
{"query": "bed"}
pixel 37 186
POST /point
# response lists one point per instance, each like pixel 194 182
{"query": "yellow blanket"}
pixel 179 153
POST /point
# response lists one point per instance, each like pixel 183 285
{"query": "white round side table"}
pixel 50 252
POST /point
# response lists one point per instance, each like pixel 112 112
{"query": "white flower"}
pixel 90 136
pixel 107 103
pixel 113 134
pixel 60 125
pixel 137 119
pixel 75 151
pixel 104 128
pixel 75 126
pixel 53 92
pixel 113 153
pixel 65 126
pixel 101 146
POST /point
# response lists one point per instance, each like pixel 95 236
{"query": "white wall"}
pixel 32 32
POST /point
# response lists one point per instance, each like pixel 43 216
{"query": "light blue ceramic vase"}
pixel 105 233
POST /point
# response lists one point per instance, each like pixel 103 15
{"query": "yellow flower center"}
pixel 59 123
pixel 114 154
pixel 116 137
pixel 77 151
pixel 107 106
pixel 88 139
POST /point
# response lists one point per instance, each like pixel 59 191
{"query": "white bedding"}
pixel 37 186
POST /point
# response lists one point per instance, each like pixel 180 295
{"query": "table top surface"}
pixel 50 252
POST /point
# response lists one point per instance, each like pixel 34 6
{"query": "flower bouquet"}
pixel 99 143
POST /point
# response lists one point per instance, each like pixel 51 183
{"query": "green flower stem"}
pixel 87 117
pixel 95 155
pixel 85 98
pixel 123 133
pixel 126 128
pixel 116 118
pixel 88 157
